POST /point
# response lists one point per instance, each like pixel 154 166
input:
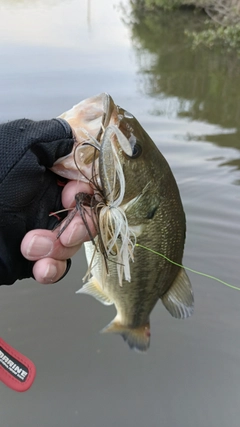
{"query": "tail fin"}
pixel 137 338
pixel 179 300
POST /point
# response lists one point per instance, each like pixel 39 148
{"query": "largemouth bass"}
pixel 136 200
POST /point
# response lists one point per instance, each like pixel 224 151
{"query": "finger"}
pixel 38 244
pixel 77 232
pixel 71 189
pixel 49 270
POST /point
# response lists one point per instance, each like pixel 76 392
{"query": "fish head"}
pixel 130 163
pixel 140 166
pixel 99 126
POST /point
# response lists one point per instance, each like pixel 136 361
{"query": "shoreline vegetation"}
pixel 200 85
pixel 220 28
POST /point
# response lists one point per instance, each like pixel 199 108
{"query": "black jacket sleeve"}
pixel 29 191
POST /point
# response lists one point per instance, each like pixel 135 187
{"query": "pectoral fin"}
pixel 179 300
pixel 94 289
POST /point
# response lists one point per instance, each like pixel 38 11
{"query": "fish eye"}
pixel 136 151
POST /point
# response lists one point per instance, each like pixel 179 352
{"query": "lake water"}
pixel 54 54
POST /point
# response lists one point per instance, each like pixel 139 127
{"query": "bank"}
pixel 221 25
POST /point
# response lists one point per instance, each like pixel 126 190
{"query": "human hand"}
pixel 52 255
pixel 29 191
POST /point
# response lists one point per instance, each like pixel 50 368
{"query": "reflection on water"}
pixel 206 82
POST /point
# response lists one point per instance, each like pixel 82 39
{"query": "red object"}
pixel 61 183
pixel 56 216
pixel 16 370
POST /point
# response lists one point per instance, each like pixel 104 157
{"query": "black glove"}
pixel 28 190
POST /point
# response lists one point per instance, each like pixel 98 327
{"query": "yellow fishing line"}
pixel 189 269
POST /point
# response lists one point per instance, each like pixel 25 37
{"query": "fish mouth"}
pixel 90 114
pixel 94 121
pixel 88 120
pixel 101 122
